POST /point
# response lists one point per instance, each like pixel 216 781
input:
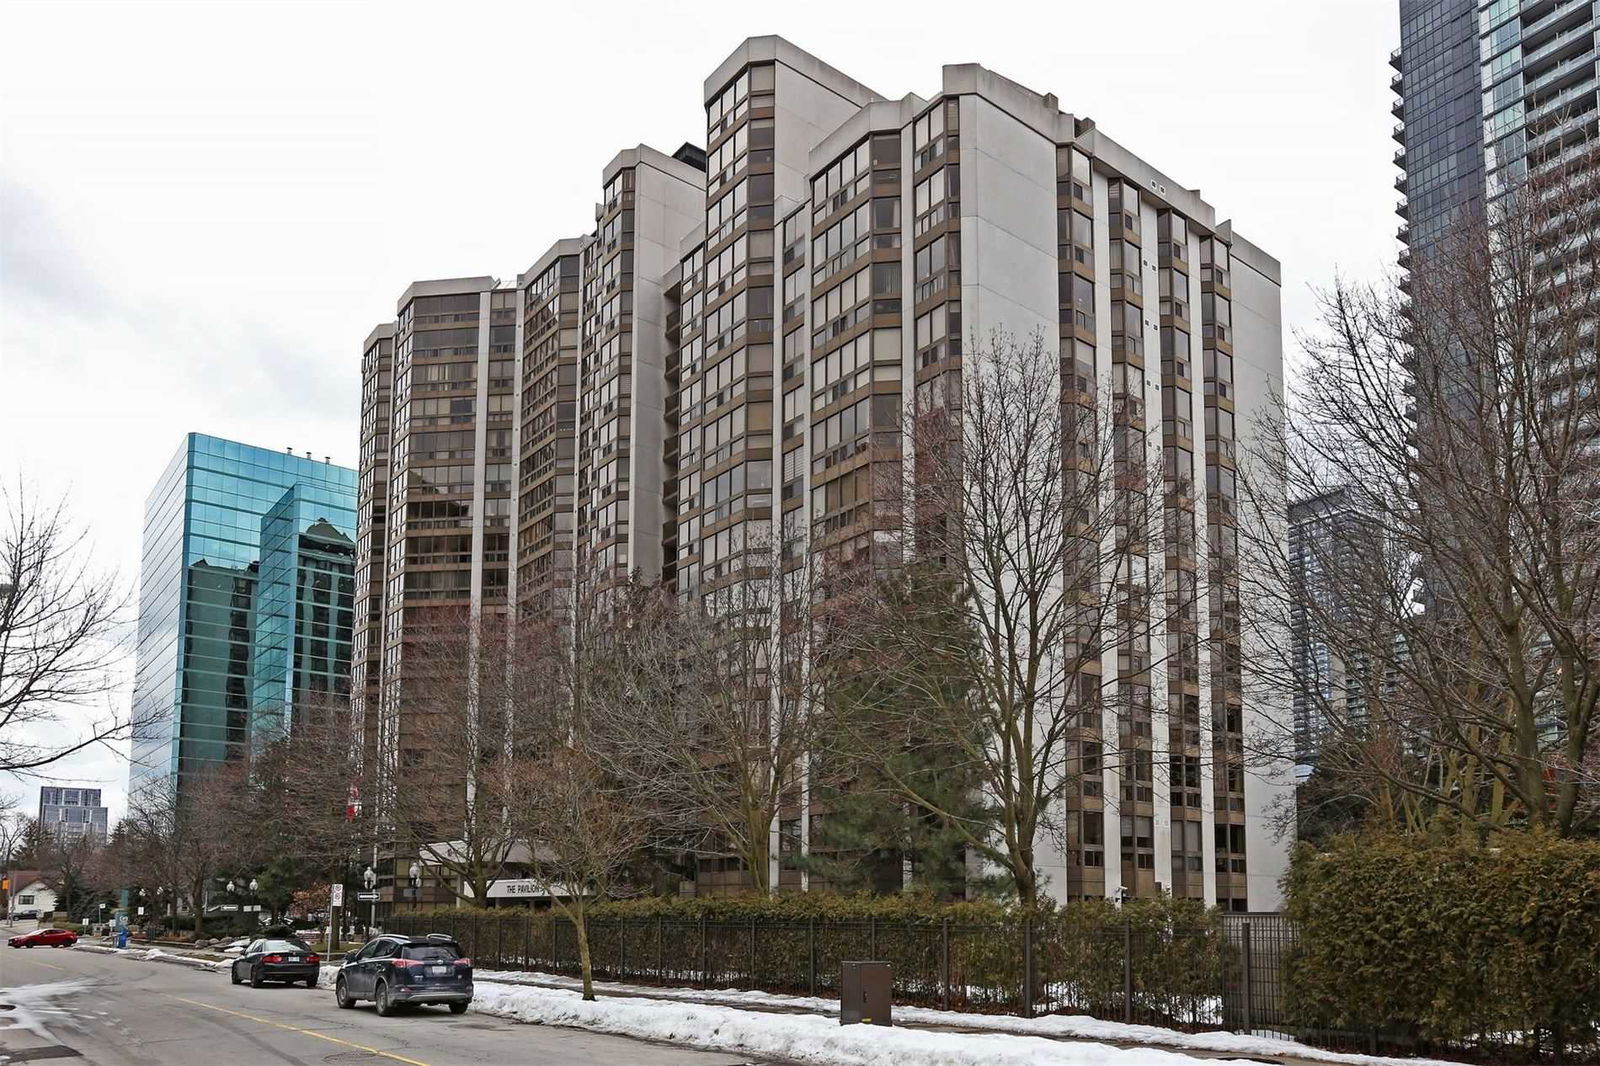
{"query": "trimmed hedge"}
pixel 969 954
pixel 1450 943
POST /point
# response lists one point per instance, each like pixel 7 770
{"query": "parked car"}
pixel 55 938
pixel 392 970
pixel 21 916
pixel 275 959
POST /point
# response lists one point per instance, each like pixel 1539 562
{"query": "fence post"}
pixel 622 948
pixel 527 941
pixel 872 937
pixel 705 962
pixel 944 962
pixel 811 953
pixel 499 943
pixel 1127 969
pixel 661 962
pixel 752 974
pixel 1027 967
pixel 1249 979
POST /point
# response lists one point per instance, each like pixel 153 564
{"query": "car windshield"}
pixel 284 945
pixel 431 952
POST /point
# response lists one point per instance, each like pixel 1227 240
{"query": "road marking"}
pixel 302 1032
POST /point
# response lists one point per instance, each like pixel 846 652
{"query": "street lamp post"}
pixel 369 877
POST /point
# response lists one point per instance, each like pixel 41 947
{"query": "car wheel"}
pixel 233 975
pixel 255 977
pixel 29 944
pixel 341 995
pixel 311 982
pixel 458 1008
pixel 385 1004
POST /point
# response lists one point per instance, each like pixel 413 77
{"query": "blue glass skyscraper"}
pixel 300 651
pixel 245 594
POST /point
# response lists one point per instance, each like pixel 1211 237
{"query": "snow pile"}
pixel 157 955
pixel 798 1037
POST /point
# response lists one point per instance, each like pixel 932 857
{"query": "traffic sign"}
pixel 336 895
pixel 367 897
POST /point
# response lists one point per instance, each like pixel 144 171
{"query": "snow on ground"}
pixel 1078 1026
pixel 799 1037
pixel 27 1006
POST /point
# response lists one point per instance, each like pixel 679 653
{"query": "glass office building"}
pixel 245 595
pixel 304 597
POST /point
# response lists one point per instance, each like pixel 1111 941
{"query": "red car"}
pixel 55 938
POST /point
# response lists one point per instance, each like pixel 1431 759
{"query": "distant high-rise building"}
pixel 1490 93
pixel 71 814
pixel 723 364
pixel 245 594
pixel 1326 533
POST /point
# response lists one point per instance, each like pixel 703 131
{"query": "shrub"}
pixel 1178 952
pixel 1450 942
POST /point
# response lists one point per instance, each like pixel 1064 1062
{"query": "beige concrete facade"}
pixel 751 332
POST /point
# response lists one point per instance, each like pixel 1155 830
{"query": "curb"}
pixel 154 955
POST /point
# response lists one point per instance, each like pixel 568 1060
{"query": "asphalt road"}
pixel 105 1010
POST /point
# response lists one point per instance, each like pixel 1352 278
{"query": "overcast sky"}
pixel 205 206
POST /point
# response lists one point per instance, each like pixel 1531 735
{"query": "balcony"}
pixel 1394 59
pixel 1399 132
pixel 1400 157
pixel 1561 46
pixel 1539 31
pixel 1574 101
pixel 1400 184
pixel 1558 134
pixel 1403 209
pixel 1398 109
pixel 1578 66
pixel 1394 83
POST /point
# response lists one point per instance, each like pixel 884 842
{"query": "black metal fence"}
pixel 1227 974
pixel 1182 977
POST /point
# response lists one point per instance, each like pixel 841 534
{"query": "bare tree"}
pixel 297 796
pixel 60 624
pixel 1451 603
pixel 445 799
pixel 67 865
pixel 706 703
pixel 584 827
pixel 181 840
pixel 1027 502
pixel 13 829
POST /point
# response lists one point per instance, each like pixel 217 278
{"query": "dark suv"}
pixel 393 969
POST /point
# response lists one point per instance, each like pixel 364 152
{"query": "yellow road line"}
pixel 302 1032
